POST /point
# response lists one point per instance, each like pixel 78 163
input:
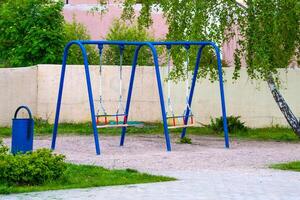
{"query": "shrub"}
pixel 121 31
pixel 77 31
pixel 31 32
pixel 185 140
pixel 131 170
pixel 3 149
pixel 32 168
pixel 234 124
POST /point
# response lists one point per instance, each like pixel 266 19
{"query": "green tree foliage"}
pixel 31 32
pixel 122 31
pixel 269 31
pixel 271 36
pixel 191 20
pixel 34 32
pixel 77 31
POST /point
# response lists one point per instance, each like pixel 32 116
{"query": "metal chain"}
pixel 187 82
pixel 169 103
pixel 101 104
pixel 120 105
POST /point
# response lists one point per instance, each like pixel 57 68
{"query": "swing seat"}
pixel 137 124
pixel 113 126
pixel 181 126
pixel 110 121
pixel 116 121
pixel 177 121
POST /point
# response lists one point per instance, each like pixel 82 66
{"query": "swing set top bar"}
pixel 147 43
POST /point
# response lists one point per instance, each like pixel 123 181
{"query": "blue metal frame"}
pixel 152 46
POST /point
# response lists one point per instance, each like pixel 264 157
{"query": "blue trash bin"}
pixel 22 132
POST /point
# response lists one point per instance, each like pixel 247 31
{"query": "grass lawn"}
pixel 293 166
pixel 263 134
pixel 83 176
pixel 279 134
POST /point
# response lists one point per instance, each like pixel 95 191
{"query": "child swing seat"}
pixel 187 118
pixel 119 119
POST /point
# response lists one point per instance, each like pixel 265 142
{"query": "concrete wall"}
pixel 18 86
pixel 38 87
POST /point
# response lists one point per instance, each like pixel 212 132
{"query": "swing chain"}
pixel 187 83
pixel 101 106
pixel 169 103
pixel 120 105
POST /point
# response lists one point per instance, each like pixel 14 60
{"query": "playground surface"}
pixel 205 169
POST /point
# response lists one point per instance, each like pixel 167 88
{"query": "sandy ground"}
pixel 148 153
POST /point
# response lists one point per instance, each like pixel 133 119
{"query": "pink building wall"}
pixel 228 49
pixel 98 25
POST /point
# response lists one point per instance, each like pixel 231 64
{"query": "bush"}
pixel 185 140
pixel 3 149
pixel 234 124
pixel 121 31
pixel 77 31
pixel 32 168
pixel 32 32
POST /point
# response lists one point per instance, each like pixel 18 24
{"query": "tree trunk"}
pixel 285 109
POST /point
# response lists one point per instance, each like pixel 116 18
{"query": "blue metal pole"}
pixel 88 81
pixel 91 99
pixel 60 91
pixel 134 63
pixel 194 80
pixel 225 127
pixel 161 96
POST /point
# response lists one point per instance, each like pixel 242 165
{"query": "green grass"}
pixel 261 134
pixel 292 166
pixel 84 176
pixel 279 134
pixel 43 128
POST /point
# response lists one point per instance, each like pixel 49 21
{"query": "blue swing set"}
pixel 170 121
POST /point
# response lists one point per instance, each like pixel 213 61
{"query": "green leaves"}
pixel 234 124
pixel 32 168
pixel 34 32
pixel 31 32
pixel 199 20
pixel 3 148
pixel 269 32
pixel 271 35
pixel 121 31
pixel 77 31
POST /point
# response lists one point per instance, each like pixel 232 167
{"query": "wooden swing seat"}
pixel 181 126
pixel 112 126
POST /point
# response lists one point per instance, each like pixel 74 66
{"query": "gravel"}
pixel 148 153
